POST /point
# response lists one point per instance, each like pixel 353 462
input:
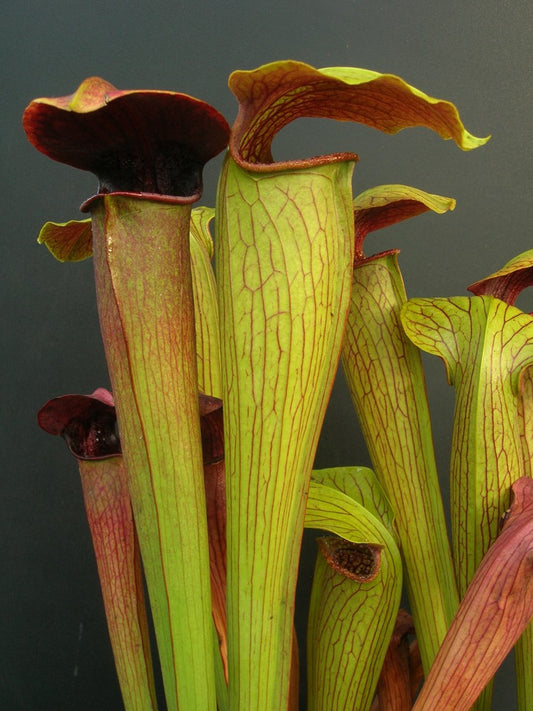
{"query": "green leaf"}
pixel 485 345
pixel 73 241
pixel 386 381
pixel 355 596
pixel 506 284
pixel 285 249
pixel 363 487
pixel 145 300
pixel 283 234
pixel 205 303
pixel 68 241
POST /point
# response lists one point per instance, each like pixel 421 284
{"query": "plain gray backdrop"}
pixel 54 652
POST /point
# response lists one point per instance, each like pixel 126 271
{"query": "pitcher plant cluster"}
pixel 197 471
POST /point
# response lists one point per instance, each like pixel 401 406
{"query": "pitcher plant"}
pixel 197 471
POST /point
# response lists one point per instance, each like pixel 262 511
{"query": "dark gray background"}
pixel 54 652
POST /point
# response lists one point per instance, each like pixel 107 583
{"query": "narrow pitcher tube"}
pixel 147 150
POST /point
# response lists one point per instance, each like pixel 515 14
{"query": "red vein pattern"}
pixel 385 377
pixel 143 283
pixel 496 608
pixel 110 518
pixel 350 621
pixel 285 246
pixel 485 344
pixel 275 94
